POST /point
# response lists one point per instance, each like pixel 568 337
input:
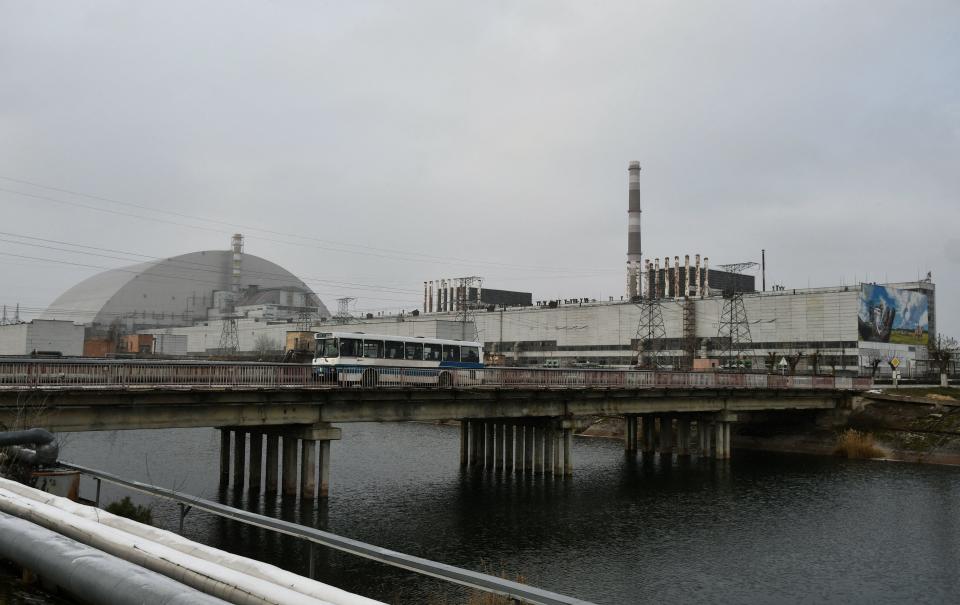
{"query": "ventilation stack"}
pixel 237 245
pixel 633 232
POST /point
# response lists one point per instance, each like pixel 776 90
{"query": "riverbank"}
pixel 921 425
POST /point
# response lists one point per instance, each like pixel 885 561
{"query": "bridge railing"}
pixel 133 374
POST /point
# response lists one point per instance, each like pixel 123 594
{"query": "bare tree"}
pixel 943 352
pixel 265 347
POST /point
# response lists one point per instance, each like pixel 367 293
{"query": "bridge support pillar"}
pixel 324 484
pixel 464 442
pixel 568 451
pixel 649 433
pixel 289 471
pixel 683 436
pixel 630 433
pixel 488 443
pixel 539 443
pixel 256 462
pixel 308 469
pixel 500 431
pixel 666 436
pixel 549 445
pixel 719 448
pixel 726 439
pixel 224 456
pixel 239 457
pixel 528 448
pixel 273 445
pixel 473 447
pixel 558 453
pixel 508 441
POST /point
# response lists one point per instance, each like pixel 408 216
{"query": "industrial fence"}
pixel 16 374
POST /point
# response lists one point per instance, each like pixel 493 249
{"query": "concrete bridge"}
pixel 276 420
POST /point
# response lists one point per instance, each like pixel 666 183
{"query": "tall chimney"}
pixel 430 299
pixel 686 276
pixel 656 277
pixel 696 279
pixel 676 277
pixel 634 255
pixel 425 289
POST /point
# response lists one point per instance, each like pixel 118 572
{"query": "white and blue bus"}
pixel 368 359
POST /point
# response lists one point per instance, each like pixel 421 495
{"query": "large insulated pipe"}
pixel 87 573
pixel 211 578
pixel 634 253
pixel 257 569
pixel 45 449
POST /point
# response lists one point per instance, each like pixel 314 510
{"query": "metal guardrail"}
pixel 16 374
pixel 456 575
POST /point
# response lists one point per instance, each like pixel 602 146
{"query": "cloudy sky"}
pixel 369 146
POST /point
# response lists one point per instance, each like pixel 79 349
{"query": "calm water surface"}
pixel 760 528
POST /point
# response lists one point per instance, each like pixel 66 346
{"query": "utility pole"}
pixel 466 311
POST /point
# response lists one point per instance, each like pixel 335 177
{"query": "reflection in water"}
pixel 759 528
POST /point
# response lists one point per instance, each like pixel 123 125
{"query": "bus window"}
pixel 431 352
pixel 349 347
pixel 414 351
pixel 373 348
pixel 470 354
pixel 327 347
pixel 393 350
pixel 451 353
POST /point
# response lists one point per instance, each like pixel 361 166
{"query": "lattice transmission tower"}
pixel 733 335
pixel 467 310
pixel 229 336
pixel 651 334
pixel 343 310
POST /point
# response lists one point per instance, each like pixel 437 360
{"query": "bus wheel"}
pixel 369 378
pixel 445 380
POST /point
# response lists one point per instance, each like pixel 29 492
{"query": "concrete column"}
pixel 508 441
pixel 666 435
pixel 224 456
pixel 464 442
pixel 489 444
pixel 558 444
pixel 539 438
pixel 289 478
pixel 718 433
pixel 726 439
pixel 649 432
pixel 549 441
pixel 500 434
pixel 273 443
pixel 324 483
pixel 308 469
pixel 683 436
pixel 239 457
pixel 630 433
pixel 568 451
pixel 528 438
pixel 473 427
pixel 478 435
pixel 256 462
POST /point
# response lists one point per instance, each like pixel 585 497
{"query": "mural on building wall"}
pixel 892 315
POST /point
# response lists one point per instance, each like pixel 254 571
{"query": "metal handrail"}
pixel 456 575
pixel 130 374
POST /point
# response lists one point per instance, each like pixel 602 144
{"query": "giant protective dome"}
pixel 170 292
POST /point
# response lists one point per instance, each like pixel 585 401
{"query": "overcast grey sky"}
pixel 487 138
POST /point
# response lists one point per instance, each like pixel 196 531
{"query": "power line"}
pixel 393 254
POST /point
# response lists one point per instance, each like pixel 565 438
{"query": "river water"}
pixel 760 528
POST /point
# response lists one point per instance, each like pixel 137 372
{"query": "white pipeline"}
pixel 206 576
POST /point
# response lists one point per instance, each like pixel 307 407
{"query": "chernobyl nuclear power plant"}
pixel 678 311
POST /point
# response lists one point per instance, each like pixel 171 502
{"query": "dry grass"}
pixel 854 444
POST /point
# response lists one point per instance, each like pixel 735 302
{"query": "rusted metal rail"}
pixel 16 374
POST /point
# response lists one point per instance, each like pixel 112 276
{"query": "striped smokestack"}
pixel 634 257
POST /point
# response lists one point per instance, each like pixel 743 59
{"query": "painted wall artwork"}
pixel 892 315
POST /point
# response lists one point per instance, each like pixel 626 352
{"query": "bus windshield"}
pixel 327 347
